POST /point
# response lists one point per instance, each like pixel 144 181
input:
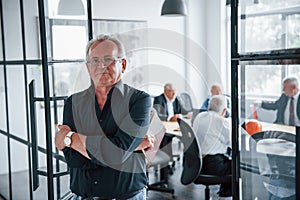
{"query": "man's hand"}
pixel 174 118
pixel 148 143
pixel 256 103
pixel 78 140
pixel 60 136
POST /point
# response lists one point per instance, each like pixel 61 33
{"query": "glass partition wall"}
pixel 41 55
pixel 265 48
pixel 42 61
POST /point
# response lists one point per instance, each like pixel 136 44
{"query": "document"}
pixel 157 129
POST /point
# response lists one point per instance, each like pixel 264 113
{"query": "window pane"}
pixel 294 70
pixel 265 173
pixel 4 179
pixel 2 101
pixel 16 101
pixel 12 30
pixel 263 80
pixel 69 42
pixel 293 32
pixel 269 25
pixel 268 5
pixel 263 33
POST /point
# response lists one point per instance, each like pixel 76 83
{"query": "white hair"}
pixel 217 103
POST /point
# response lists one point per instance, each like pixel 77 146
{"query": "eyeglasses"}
pixel 107 61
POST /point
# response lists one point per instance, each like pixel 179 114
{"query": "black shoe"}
pixel 225 193
pixel 170 170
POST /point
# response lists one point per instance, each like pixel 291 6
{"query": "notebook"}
pixel 157 129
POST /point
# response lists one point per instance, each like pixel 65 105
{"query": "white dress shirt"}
pixel 170 108
pixel 287 111
pixel 213 132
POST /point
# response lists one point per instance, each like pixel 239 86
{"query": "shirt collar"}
pixel 119 86
pixel 296 95
pixel 168 100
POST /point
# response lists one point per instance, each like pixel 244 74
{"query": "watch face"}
pixel 67 141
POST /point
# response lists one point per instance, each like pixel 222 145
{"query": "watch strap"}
pixel 70 134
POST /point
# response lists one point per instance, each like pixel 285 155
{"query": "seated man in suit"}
pixel 288 104
pixel 214 136
pixel 216 90
pixel 168 108
pixel 167 104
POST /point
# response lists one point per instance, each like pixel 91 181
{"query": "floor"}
pixel 182 192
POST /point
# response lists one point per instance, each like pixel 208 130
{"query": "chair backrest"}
pixel 161 112
pixel 275 155
pixel 196 111
pixel 186 102
pixel 192 160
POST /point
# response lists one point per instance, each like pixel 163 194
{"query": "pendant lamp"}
pixel 174 8
pixel 70 7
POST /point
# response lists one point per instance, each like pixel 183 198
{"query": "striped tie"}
pixel 292 115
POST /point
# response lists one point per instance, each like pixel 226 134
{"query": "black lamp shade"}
pixel 70 7
pixel 174 8
pixel 228 2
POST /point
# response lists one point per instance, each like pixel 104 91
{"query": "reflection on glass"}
pixel 4 181
pixel 269 25
pixel 263 80
pixel 293 31
pixel 263 33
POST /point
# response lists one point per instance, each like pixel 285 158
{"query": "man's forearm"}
pixel 78 144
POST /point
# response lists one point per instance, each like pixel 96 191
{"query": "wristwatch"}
pixel 68 139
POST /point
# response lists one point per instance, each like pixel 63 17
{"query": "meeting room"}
pixel 147 100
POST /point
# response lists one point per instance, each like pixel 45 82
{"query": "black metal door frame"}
pixel 237 60
pixel 31 142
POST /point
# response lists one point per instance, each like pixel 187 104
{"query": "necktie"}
pixel 292 115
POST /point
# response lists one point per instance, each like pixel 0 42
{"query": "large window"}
pixel 267 26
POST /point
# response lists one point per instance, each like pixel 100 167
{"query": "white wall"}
pixel 193 71
pixel 216 37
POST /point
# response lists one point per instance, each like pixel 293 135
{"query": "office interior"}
pixel 247 46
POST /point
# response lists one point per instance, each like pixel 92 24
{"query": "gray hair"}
pixel 216 85
pixel 217 103
pixel 291 80
pixel 168 86
pixel 101 38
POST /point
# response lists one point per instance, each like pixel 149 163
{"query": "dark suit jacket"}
pixel 280 105
pixel 160 105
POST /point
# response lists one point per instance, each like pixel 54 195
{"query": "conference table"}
pixel 172 128
pixel 278 127
pixel 278 146
pixel 273 145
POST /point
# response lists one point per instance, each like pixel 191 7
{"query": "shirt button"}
pixel 95 182
pixel 100 120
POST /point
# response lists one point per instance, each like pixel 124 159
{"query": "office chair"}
pixel 192 162
pixel 274 152
pixel 167 143
pixel 161 160
pixel 186 102
pixel 161 112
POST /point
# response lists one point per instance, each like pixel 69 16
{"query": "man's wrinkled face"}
pixel 215 91
pixel 170 93
pixel 104 65
pixel 289 89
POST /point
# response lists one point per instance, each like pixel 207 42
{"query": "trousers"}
pixel 139 195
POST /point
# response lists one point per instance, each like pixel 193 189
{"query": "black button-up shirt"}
pixel 115 169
